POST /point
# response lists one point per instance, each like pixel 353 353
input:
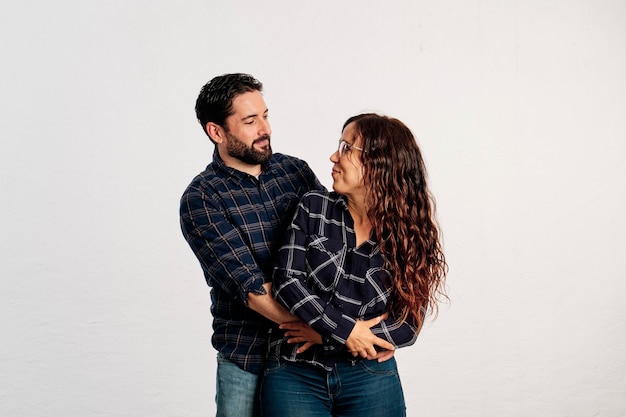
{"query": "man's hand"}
pixel 299 332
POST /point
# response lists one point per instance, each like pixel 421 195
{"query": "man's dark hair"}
pixel 215 101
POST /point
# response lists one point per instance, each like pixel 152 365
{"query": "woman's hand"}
pixel 362 341
pixel 300 332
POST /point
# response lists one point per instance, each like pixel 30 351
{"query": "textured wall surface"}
pixel 518 106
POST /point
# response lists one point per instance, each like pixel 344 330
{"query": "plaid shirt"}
pixel 233 221
pixel 328 282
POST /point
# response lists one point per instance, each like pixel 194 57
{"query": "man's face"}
pixel 248 130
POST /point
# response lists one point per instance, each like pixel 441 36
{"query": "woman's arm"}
pixel 310 299
pixel 400 334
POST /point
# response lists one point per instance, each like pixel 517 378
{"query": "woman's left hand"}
pixel 362 342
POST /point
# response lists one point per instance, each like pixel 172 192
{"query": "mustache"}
pixel 261 139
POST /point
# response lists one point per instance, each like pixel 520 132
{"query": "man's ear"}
pixel 215 132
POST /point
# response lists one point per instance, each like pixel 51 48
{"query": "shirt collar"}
pixel 268 167
pixel 341 199
pixel 371 240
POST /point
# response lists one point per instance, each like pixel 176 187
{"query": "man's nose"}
pixel 265 128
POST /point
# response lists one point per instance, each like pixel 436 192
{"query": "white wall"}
pixel 519 107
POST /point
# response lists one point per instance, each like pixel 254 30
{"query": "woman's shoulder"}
pixel 329 204
pixel 322 197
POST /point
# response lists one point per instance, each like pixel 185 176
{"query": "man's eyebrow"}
pixel 254 115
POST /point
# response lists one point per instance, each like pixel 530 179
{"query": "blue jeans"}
pixel 359 388
pixel 236 390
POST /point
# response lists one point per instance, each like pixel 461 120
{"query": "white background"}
pixel 519 107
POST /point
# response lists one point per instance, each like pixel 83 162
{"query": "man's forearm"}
pixel 268 307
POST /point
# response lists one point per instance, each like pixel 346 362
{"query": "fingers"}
pixel 380 356
pixel 293 325
pixel 383 344
pixel 383 355
pixel 299 332
pixel 370 351
pixel 354 353
pixel 374 321
pixel 296 339
pixel 304 347
pixel 364 352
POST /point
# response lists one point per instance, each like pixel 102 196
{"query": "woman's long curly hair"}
pixel 402 212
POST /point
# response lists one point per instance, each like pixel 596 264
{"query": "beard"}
pixel 249 155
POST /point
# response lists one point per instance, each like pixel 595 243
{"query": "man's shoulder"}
pixel 282 157
pixel 290 172
pixel 208 179
pixel 288 162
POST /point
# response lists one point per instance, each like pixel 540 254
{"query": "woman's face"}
pixel 347 168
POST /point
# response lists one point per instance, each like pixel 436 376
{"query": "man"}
pixel 233 216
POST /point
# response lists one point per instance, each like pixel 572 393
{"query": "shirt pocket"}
pixel 285 207
pixel 324 262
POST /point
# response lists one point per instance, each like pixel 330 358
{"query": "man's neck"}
pixel 239 165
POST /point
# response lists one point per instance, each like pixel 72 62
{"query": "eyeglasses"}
pixel 346 147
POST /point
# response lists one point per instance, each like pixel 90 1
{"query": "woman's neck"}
pixel 362 224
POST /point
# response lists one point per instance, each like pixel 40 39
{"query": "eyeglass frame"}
pixel 345 147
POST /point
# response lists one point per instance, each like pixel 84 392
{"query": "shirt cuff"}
pixel 255 286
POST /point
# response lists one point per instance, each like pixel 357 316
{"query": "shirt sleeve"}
pixel 399 334
pixel 290 286
pixel 312 180
pixel 219 246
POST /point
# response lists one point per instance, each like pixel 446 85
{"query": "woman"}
pixel 363 266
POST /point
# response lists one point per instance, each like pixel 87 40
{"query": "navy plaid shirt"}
pixel 328 282
pixel 234 224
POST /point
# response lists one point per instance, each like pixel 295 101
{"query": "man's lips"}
pixel 262 141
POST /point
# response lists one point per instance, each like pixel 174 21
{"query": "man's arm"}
pixel 226 258
pixel 268 307
pixel 220 247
